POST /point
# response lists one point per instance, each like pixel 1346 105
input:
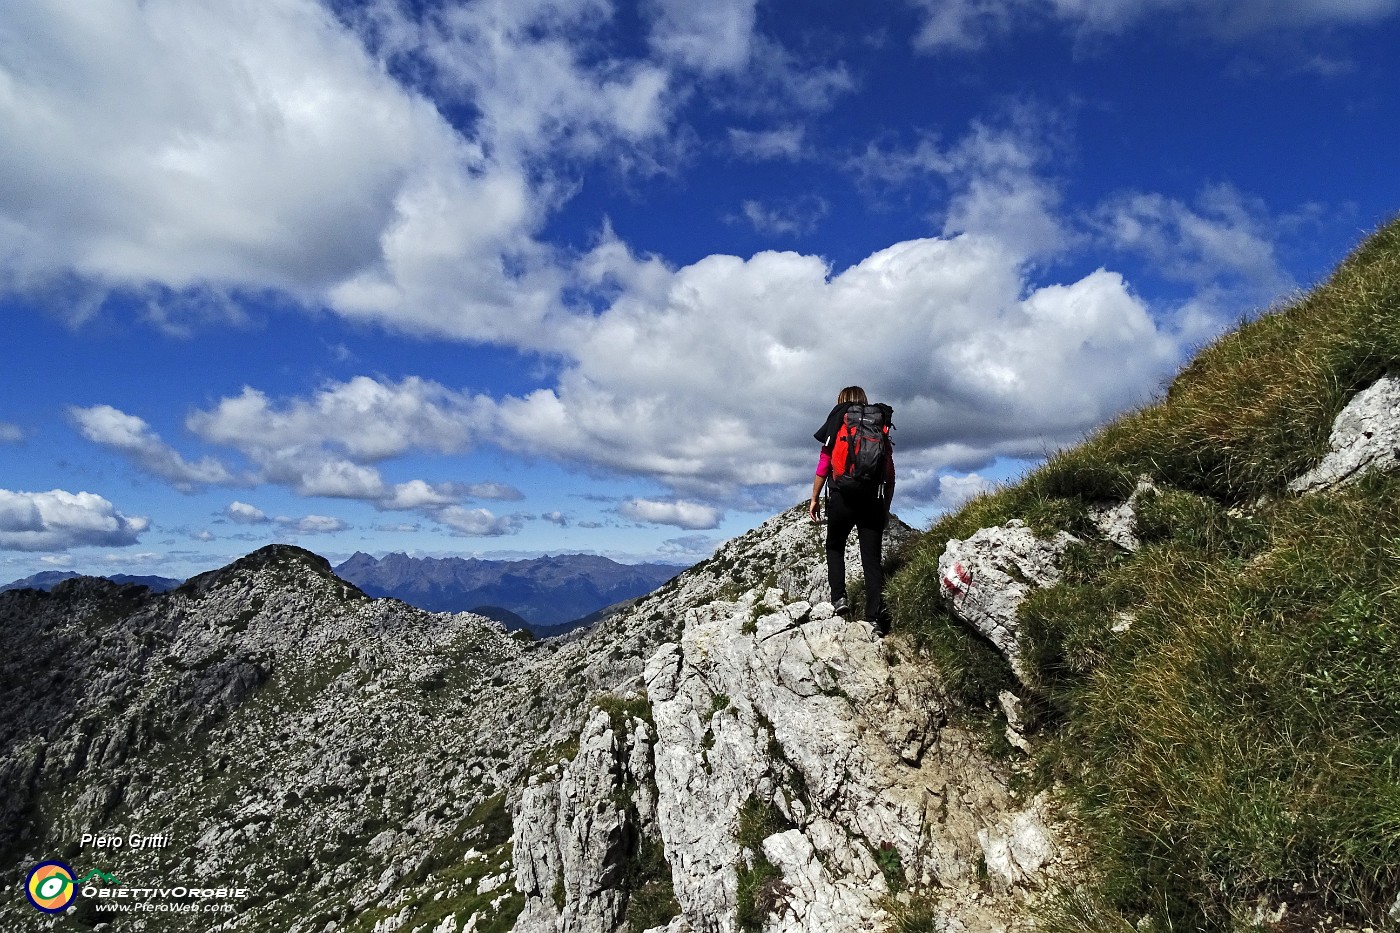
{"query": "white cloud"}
pixel 326 445
pixel 994 175
pixel 968 24
pixel 712 37
pixel 782 143
pixel 965 24
pixel 416 494
pixel 184 152
pixel 311 524
pixel 528 67
pixel 206 146
pixel 399 527
pixel 500 491
pixel 182 143
pixel 789 219
pixel 134 438
pixel 712 379
pixel 478 522
pixel 556 518
pixel 923 487
pixel 10 433
pixel 245 514
pixel 688 547
pixel 364 419
pixel 58 520
pixel 680 513
pixel 204 534
pixel 1226 237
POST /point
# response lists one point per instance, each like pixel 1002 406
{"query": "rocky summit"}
pixel 724 754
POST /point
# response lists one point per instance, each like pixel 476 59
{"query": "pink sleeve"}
pixel 824 463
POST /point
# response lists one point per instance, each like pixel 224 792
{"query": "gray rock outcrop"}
pixel 986 577
pixel 575 833
pixel 803 779
pixel 1365 437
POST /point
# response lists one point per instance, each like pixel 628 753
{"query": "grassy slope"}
pixel 1242 738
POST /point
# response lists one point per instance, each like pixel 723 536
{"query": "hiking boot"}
pixel 841 607
pixel 882 622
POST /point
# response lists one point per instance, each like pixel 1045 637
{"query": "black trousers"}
pixel 867 514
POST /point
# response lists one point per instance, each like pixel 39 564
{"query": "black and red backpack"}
pixel 861 453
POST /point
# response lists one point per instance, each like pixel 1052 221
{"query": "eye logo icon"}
pixel 50 887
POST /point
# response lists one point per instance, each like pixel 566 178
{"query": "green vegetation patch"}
pixel 1238 737
pixel 651 899
pixel 1225 700
pixel 761 889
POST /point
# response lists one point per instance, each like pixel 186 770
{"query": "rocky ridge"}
pixel 783 768
pixel 289 734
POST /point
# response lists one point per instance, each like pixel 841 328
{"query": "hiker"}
pixel 858 457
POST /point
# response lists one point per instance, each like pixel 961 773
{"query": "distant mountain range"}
pixel 48 579
pixel 543 591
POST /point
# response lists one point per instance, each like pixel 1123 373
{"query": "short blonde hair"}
pixel 852 394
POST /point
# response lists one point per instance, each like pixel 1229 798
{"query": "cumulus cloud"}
pixel 311 524
pixel 365 419
pixel 186 148
pixel 417 494
pixel 244 514
pixel 478 522
pixel 202 147
pixel 680 513
pixel 500 491
pixel 522 65
pixel 183 152
pixel 556 518
pixel 930 488
pixel 994 175
pixel 714 381
pixel 327 445
pixel 10 433
pixel 57 520
pixel 399 527
pixel 135 439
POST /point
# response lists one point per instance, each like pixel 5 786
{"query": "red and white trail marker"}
pixel 957 579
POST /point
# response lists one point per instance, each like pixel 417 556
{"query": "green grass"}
pixel 651 899
pixel 1238 736
pixel 761 888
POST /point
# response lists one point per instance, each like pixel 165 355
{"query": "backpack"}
pixel 862 450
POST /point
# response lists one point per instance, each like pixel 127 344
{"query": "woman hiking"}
pixel 858 458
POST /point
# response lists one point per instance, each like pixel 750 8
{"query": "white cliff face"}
pixel 804 774
pixel 575 834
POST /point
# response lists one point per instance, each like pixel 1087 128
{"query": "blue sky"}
pixel 511 277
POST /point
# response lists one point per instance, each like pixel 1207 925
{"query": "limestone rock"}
pixel 1118 523
pixel 805 715
pixel 986 577
pixel 1365 437
pixel 574 836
